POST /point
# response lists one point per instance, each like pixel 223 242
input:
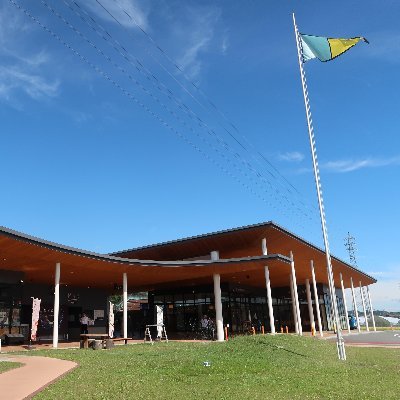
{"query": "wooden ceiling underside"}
pixel 37 259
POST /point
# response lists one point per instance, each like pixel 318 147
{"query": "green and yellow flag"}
pixel 326 49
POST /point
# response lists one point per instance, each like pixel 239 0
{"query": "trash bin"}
pixel 97 345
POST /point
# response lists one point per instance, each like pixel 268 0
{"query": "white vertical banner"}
pixel 159 320
pixel 111 320
pixel 35 317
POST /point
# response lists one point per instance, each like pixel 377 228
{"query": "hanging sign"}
pixel 160 320
pixel 111 320
pixel 35 317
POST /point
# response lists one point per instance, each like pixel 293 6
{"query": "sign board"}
pixel 111 320
pixel 159 320
pixel 35 317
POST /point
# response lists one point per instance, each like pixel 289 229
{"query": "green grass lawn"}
pixel 6 365
pixel 260 367
pixel 382 328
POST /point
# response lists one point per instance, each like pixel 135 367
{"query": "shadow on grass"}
pixel 277 347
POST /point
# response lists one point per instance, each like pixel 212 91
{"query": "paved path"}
pixel 32 377
pixel 373 339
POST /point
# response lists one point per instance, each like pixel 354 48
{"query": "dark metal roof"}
pixel 237 229
pixel 123 260
pixel 186 239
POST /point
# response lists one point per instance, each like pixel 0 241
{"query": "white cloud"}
pixel 224 44
pixel 12 78
pixel 353 165
pixel 350 165
pixel 292 156
pixel 21 69
pixel 35 60
pixel 129 13
pixel 383 274
pixel 385 294
pixel 196 36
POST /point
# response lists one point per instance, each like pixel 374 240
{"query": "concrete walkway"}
pixel 387 339
pixel 32 377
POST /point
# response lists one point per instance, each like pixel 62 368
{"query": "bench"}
pixel 120 339
pixel 86 336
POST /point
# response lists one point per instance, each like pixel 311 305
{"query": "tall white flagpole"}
pixel 340 342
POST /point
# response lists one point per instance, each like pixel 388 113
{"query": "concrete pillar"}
pixel 218 307
pixel 310 306
pixel 269 300
pixel 316 299
pixel 295 320
pixel 364 308
pixel 296 295
pixel 56 304
pixel 268 286
pixel 345 303
pixel 355 305
pixel 125 305
pixel 372 310
pixel 218 301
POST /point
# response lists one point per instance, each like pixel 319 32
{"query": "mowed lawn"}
pixel 260 367
pixel 6 365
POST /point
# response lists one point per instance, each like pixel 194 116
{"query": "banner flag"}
pixel 35 317
pixel 111 320
pixel 326 49
pixel 160 320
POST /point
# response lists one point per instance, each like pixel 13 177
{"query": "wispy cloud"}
pixel 196 34
pixel 353 165
pixel 21 70
pixel 225 43
pixel 350 165
pixel 129 13
pixel 291 156
pixel 12 78
pixel 386 294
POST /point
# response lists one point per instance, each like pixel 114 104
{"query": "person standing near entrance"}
pixel 204 322
pixel 84 323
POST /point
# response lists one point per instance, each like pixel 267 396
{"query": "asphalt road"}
pixel 389 338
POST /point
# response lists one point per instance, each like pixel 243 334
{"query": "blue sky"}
pixel 107 145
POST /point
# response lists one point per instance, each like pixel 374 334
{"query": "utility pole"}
pixel 350 244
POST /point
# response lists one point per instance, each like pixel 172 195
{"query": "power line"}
pixel 350 244
pixel 181 70
pixel 132 97
pixel 187 109
pixel 150 94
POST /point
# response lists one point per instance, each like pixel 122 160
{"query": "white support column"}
pixel 218 308
pixel 269 300
pixel 295 320
pixel 364 309
pixel 345 303
pixel 310 306
pixel 218 301
pixel 316 299
pixel 268 286
pixel 296 295
pixel 355 305
pixel 56 304
pixel 370 307
pixel 125 305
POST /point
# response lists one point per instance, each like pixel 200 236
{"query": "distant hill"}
pixel 382 318
pixel 392 314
